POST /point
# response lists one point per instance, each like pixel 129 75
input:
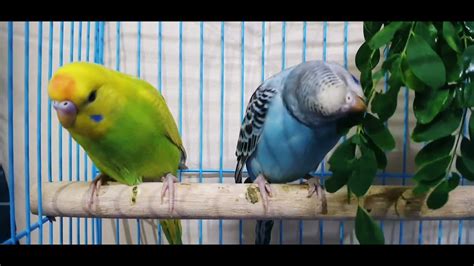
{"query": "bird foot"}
pixel 95 187
pixel 168 186
pixel 265 190
pixel 316 188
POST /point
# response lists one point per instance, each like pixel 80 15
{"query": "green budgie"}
pixel 124 125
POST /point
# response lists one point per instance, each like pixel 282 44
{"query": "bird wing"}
pixel 252 126
pixel 166 118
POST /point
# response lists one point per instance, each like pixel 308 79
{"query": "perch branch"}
pixel 242 201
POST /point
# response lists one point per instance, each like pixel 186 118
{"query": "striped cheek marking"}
pixel 96 118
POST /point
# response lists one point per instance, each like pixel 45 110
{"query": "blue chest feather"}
pixel 288 149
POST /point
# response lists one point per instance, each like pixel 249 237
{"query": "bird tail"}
pixel 172 230
pixel 238 170
pixel 263 232
pixel 263 229
pixel 182 161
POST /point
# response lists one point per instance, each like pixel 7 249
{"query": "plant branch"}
pixel 403 53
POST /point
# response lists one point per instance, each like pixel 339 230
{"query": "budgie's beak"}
pixel 359 105
pixel 67 112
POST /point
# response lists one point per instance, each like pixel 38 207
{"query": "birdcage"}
pixel 207 72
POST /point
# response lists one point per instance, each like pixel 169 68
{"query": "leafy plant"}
pixel 435 60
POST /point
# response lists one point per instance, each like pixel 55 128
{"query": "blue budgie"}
pixel 291 123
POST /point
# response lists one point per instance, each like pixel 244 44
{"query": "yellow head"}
pixel 83 96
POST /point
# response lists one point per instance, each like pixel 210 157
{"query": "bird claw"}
pixel 265 190
pixel 168 186
pixel 95 187
pixel 315 187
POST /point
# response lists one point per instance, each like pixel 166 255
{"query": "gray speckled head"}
pixel 317 91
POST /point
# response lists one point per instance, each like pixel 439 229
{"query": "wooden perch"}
pixel 242 201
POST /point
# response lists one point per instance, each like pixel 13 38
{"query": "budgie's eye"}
pixel 92 96
pixel 348 98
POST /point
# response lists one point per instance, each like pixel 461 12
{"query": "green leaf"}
pixel 420 189
pixel 467 148
pixel 344 153
pixel 364 170
pixel 384 36
pixel 396 75
pixel 366 81
pixel 460 97
pixel 438 25
pixel 367 231
pixel 379 154
pixel 385 104
pixel 377 131
pixel 377 76
pixel 432 170
pixel 425 63
pixel 357 139
pixel 371 28
pixel 344 124
pixel 366 58
pixel 465 95
pixel 433 182
pixel 336 181
pixel 439 196
pixel 399 40
pixel 463 170
pixel 434 150
pixel 409 78
pixel 428 105
pixel 453 181
pixel 451 36
pixel 387 63
pixel 451 98
pixel 453 61
pixel 468 94
pixel 427 31
pixel 443 125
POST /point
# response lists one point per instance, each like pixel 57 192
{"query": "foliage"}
pixel 435 61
